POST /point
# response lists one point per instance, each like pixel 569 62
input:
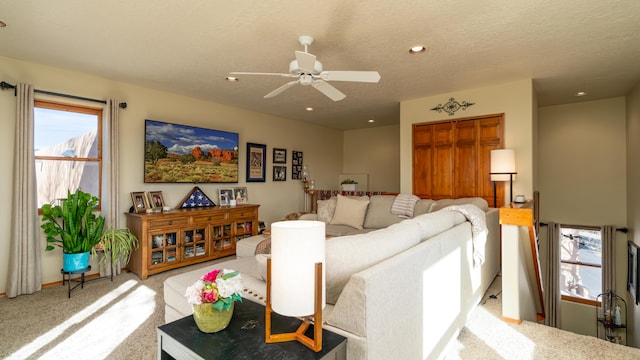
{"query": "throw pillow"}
pixel 350 212
pixel 379 212
pixel 326 208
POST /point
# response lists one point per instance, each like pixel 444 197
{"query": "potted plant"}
pixel 117 245
pixel 73 226
pixel 348 184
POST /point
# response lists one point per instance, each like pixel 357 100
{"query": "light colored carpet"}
pixel 118 320
pixel 486 337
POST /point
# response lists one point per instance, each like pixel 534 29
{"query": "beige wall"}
pixel 374 151
pixel 514 99
pixel 582 181
pixel 633 192
pixel 322 146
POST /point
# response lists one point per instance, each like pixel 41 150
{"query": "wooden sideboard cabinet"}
pixel 182 237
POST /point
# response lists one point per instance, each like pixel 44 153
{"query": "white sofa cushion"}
pixel 477 201
pixel 379 212
pixel 350 212
pixel 326 208
pixel 423 206
pixel 348 255
pixel 436 222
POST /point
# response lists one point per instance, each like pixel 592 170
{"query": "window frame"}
pixel 82 109
pixel 576 299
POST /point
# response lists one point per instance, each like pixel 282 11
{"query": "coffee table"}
pixel 243 339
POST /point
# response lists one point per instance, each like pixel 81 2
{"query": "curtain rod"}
pixel 5 85
pixel 624 230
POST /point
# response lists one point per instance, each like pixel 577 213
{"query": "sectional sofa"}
pixel 402 291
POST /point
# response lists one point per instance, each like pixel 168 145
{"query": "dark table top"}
pixel 244 338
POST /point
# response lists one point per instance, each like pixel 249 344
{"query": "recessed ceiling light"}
pixel 232 79
pixel 581 93
pixel 2 24
pixel 371 121
pixel 417 49
pixel 309 108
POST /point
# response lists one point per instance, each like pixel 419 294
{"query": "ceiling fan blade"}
pixel 357 76
pixel 260 73
pixel 306 61
pixel 281 89
pixel 328 89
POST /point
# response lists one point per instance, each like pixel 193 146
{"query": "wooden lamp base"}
pixel 314 344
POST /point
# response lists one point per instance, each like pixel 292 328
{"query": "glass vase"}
pixel 210 320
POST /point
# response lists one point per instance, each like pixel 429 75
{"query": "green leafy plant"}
pixel 116 244
pixel 73 225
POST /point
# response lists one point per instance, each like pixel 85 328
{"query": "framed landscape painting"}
pixel 176 153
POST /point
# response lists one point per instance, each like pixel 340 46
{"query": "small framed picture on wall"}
pixel 256 159
pixel 296 165
pixel 279 173
pixel 279 156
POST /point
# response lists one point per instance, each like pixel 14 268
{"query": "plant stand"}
pixel 66 277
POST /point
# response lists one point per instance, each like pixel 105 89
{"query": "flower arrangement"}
pixel 348 181
pixel 218 287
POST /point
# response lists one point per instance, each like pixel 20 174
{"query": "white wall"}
pixel 373 151
pixel 633 192
pixel 322 147
pixel 514 99
pixel 582 181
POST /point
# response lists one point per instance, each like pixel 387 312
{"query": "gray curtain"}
pixel 113 170
pixel 112 196
pixel 25 268
pixel 608 236
pixel 552 295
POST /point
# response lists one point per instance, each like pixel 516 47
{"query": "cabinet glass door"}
pixel 195 242
pixel 164 247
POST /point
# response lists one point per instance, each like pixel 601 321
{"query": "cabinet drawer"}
pixel 160 223
pixel 209 218
pixel 242 214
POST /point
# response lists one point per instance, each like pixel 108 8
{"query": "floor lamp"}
pixel 503 167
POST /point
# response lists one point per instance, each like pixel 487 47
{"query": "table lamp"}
pixel 503 167
pixel 295 279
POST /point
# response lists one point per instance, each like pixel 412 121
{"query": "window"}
pixel 68 150
pixel 581 264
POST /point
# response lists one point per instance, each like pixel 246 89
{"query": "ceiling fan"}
pixel 308 71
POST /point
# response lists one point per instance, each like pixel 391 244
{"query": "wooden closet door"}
pixel 453 159
pixel 443 162
pixel 465 182
pixel 422 160
pixel 491 137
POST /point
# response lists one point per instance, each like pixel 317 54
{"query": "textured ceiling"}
pixel 188 47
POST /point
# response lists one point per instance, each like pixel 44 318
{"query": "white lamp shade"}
pixel 296 246
pixel 502 161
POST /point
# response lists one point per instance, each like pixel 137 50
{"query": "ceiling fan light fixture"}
pixel 232 79
pixel 308 108
pixel 417 49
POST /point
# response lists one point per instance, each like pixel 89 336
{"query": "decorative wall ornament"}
pixel 452 106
